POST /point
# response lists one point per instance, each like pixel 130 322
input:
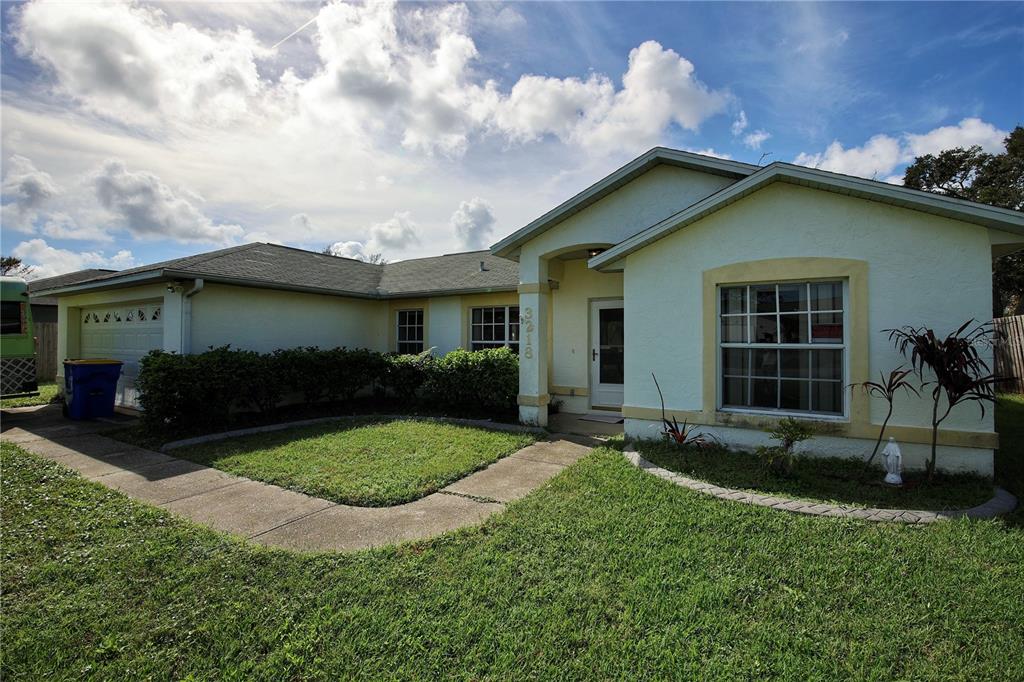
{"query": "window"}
pixel 494 327
pixel 410 331
pixel 10 317
pixel 782 347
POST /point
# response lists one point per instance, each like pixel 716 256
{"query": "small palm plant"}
pixel 685 435
pixel 960 374
pixel 886 389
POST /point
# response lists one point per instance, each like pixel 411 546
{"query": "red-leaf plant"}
pixel 685 435
pixel 960 374
pixel 886 389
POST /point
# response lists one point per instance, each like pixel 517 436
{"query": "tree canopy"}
pixel 996 179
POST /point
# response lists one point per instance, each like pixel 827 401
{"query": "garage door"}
pixel 123 332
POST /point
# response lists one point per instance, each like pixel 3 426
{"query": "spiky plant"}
pixel 959 372
pixel 886 390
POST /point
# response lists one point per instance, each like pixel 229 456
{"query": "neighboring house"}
pixel 44 308
pixel 751 292
pixel 44 317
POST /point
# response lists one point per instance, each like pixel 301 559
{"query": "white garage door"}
pixel 123 332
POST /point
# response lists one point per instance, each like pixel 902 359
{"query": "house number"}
pixel 528 323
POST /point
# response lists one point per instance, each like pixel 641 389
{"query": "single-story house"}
pixel 750 292
pixel 44 308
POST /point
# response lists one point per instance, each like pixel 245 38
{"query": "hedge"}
pixel 204 390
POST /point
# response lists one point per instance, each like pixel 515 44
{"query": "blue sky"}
pixel 138 132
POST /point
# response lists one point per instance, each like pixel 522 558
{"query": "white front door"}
pixel 606 353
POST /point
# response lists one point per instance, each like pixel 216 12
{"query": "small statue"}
pixel 893 463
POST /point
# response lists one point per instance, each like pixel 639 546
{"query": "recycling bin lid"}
pixel 93 361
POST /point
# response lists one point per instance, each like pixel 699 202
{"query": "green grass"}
pixel 369 464
pixel 47 394
pixel 840 481
pixel 607 572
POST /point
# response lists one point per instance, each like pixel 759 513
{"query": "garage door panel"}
pixel 123 332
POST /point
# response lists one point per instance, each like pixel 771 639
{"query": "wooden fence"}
pixel 1009 353
pixel 46 352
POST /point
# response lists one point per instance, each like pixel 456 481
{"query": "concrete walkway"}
pixel 1003 502
pixel 271 515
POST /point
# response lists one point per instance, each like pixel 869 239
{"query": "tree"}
pixel 373 258
pixel 996 179
pixel 12 265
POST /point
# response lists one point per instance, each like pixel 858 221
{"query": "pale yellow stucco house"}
pixel 751 292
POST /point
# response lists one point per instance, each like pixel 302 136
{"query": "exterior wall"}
pixel 444 324
pixel 920 269
pixel 648 199
pixel 569 369
pixel 267 319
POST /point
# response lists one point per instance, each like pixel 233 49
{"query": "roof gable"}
pixel 957 209
pixel 509 246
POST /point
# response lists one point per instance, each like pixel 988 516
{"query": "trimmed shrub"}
pixel 482 379
pixel 203 390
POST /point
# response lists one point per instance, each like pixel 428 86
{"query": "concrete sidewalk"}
pixel 272 515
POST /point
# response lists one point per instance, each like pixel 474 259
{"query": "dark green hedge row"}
pixel 204 389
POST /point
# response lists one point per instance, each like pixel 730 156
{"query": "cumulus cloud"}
pixel 26 189
pixel 882 154
pixel 351 249
pixel 755 139
pixel 129 62
pixel 472 222
pixel 48 261
pixel 148 207
pixel 658 89
pixel 740 124
pixel 394 234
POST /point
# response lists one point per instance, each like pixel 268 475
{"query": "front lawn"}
pixel 364 463
pixel 47 394
pixel 839 481
pixel 607 572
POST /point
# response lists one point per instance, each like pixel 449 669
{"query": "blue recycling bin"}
pixel 90 387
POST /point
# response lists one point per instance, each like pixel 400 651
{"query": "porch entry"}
pixel 607 369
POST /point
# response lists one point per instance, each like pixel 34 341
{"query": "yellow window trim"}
pixel 793 270
pixel 407 304
pixel 509 298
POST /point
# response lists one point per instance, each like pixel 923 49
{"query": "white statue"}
pixel 893 463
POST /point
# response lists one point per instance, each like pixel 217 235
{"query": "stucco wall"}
pixel 653 196
pixel 922 270
pixel 444 327
pixel 264 320
pixel 570 324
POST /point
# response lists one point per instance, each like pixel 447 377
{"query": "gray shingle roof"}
pixel 67 279
pixel 284 267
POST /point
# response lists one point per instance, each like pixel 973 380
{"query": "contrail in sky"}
pixel 294 32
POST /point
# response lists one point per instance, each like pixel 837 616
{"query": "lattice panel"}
pixel 17 375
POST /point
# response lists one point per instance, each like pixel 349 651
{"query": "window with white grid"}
pixel 409 336
pixel 494 327
pixel 782 347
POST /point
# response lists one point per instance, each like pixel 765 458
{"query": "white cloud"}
pixel 740 124
pixel 300 223
pixel 127 61
pixel 882 154
pixel 395 233
pixel 658 89
pixel 351 249
pixel 755 139
pixel 969 132
pixel 473 222
pixel 710 152
pixel 26 189
pixel 149 208
pixel 878 156
pixel 48 261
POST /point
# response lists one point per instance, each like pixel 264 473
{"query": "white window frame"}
pixel 399 326
pixel 844 347
pixel 506 343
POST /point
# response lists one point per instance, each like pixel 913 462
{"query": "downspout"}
pixel 186 322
